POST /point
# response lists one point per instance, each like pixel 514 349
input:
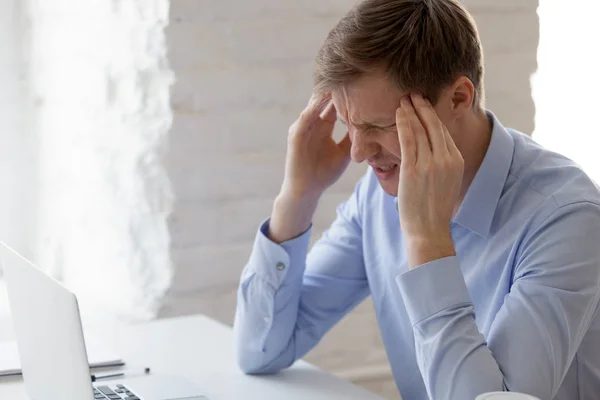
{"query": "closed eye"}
pixel 384 128
pixel 368 127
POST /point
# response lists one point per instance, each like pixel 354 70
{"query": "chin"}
pixel 389 187
pixel 388 179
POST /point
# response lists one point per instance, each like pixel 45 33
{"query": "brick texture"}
pixel 243 73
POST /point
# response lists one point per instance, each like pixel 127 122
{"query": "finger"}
pixel 423 149
pixel 345 144
pixel 432 123
pixel 319 107
pixel 315 107
pixel 317 104
pixel 408 147
pixel 329 114
pixel 318 97
pixel 450 144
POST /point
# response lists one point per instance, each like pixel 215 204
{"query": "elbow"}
pixel 253 363
pixel 250 359
pixel 251 356
pixel 250 368
pixel 247 361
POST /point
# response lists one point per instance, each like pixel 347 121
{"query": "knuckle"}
pixel 293 129
pixel 400 117
pixel 407 140
pixel 411 172
pixel 422 106
pixel 305 115
pixel 291 140
pixel 453 163
pixel 293 134
pixel 444 162
pixel 460 163
pixel 424 168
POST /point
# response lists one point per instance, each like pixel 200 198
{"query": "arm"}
pixel 537 331
pixel 555 288
pixel 288 301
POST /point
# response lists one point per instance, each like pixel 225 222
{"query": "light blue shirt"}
pixel 515 310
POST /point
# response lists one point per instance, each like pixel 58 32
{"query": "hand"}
pixel 431 174
pixel 314 162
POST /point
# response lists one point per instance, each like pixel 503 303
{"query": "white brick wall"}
pixel 509 31
pixel 243 73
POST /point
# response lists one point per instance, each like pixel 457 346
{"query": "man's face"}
pixel 367 107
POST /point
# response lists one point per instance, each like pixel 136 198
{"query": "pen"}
pixel 115 375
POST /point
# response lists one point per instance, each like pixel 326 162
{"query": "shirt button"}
pixel 280 266
pixel 267 319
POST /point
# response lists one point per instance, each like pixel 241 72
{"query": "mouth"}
pixel 385 172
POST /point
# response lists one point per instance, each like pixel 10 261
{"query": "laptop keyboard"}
pixel 118 392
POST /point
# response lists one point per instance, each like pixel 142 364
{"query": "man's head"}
pixel 384 49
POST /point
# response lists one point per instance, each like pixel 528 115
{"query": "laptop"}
pixel 51 344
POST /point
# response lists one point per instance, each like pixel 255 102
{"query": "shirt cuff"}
pixel 277 262
pixel 432 287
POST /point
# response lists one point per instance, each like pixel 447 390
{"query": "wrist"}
pixel 423 249
pixel 291 216
pixel 295 198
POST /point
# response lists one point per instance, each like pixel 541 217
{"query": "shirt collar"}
pixel 479 205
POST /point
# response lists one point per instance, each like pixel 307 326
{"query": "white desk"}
pixel 201 350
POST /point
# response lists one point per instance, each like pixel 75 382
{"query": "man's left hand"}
pixel 431 173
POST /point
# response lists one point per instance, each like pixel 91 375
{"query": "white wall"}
pixel 509 31
pixel 567 86
pixel 243 72
pixel 100 81
pixel 18 163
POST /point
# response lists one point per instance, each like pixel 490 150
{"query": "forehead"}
pixel 370 98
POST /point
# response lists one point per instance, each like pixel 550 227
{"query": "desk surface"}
pixel 201 350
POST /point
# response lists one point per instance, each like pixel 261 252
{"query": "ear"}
pixel 461 95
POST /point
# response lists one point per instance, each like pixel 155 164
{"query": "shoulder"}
pixel 548 184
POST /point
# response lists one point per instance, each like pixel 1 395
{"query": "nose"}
pixel 363 147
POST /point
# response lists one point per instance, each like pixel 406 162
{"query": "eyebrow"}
pixel 368 124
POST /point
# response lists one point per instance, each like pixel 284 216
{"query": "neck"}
pixel 475 134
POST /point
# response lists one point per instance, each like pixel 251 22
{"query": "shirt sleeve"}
pixel 288 299
pixel 537 331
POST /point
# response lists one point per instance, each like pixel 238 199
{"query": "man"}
pixel 480 248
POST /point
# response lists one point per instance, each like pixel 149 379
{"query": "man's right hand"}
pixel 314 162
